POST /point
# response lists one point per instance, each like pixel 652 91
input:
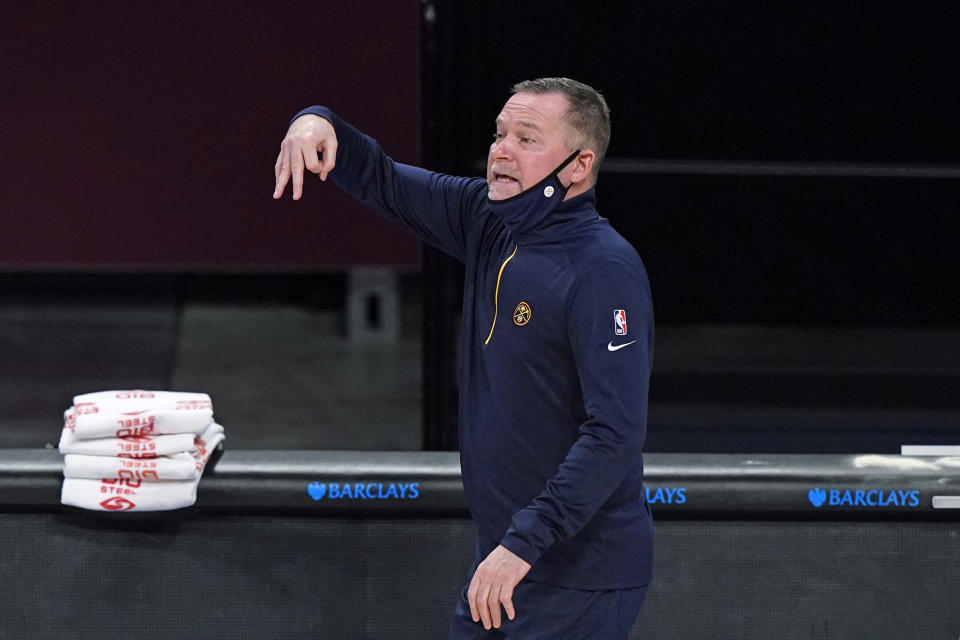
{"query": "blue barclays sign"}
pixel 364 491
pixel 864 497
pixel 666 495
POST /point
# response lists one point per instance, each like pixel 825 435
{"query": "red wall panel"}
pixel 143 135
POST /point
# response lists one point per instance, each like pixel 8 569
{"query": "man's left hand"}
pixel 493 584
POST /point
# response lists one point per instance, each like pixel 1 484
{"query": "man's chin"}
pixel 497 191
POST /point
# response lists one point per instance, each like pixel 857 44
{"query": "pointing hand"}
pixel 308 135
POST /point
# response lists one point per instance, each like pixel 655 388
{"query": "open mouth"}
pixel 504 178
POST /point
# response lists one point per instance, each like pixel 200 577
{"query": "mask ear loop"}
pixel 563 165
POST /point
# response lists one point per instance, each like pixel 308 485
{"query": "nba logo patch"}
pixel 620 322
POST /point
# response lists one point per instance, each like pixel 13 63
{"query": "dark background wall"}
pixel 754 80
pixel 808 82
pixel 141 135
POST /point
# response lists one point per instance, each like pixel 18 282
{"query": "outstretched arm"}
pixel 437 208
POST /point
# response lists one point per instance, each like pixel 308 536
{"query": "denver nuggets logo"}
pixel 521 315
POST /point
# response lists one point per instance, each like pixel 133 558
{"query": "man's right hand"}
pixel 307 135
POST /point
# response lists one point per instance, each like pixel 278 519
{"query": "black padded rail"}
pixel 420 484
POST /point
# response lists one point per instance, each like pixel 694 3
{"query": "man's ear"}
pixel 583 166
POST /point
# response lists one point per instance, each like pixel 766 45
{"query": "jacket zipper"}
pixel 496 294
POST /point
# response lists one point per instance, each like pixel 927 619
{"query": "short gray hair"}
pixel 588 115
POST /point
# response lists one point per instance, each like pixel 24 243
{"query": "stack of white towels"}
pixel 136 450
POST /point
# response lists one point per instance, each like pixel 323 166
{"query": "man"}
pixel 556 352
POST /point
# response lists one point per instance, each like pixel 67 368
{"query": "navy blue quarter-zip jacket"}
pixel 556 353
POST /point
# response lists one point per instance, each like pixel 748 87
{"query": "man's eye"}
pixel 525 139
pixel 498 136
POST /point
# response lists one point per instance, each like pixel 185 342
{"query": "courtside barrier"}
pixel 428 483
pixel 371 545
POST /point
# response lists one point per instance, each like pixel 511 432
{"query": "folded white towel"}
pixel 103 424
pixel 130 494
pixel 126 409
pixel 125 494
pixel 135 399
pixel 176 466
pixel 133 447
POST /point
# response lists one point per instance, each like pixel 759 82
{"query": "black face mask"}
pixel 530 207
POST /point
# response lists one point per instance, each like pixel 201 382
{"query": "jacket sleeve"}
pixel 614 372
pixel 435 207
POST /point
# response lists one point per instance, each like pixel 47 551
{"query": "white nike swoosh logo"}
pixel 610 346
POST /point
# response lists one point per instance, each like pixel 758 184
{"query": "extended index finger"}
pixel 281 175
pixel 295 162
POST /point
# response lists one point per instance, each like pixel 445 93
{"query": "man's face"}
pixel 528 145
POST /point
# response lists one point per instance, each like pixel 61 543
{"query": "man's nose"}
pixel 501 149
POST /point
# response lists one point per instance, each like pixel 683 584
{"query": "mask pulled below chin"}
pixel 531 206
